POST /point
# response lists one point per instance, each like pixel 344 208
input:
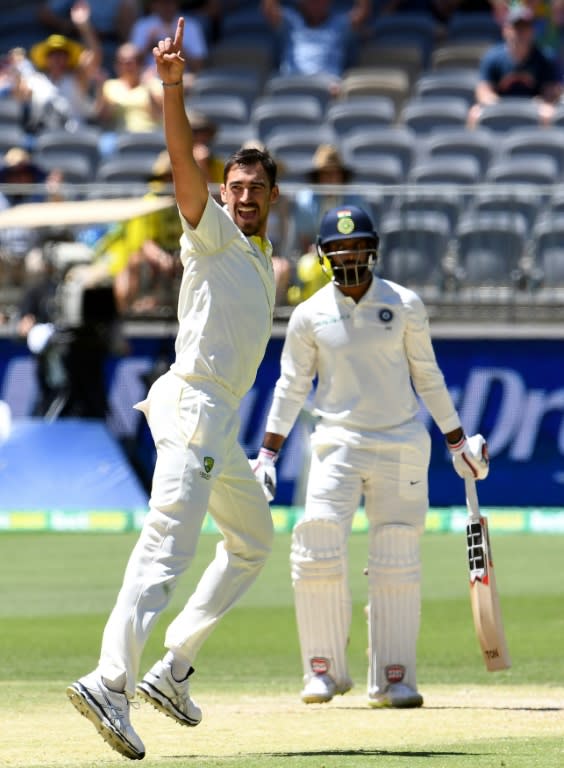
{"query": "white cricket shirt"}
pixel 225 302
pixel 368 357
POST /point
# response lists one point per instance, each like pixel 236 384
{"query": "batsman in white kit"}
pixel 367 341
pixel 225 309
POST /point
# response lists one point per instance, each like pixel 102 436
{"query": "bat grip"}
pixel 472 498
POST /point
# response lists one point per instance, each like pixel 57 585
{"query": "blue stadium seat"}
pixel 413 248
pixel 360 112
pixel 433 113
pixel 270 113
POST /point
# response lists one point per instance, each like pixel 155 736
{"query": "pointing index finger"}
pixel 179 34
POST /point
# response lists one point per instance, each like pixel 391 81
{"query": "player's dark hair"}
pixel 252 156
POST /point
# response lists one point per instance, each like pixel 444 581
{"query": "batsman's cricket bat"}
pixel 484 597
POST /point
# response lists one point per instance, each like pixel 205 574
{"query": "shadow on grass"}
pixel 340 753
pixel 367 753
pixel 499 709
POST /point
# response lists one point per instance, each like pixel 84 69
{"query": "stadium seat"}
pixel 549 255
pixel 229 110
pixel 360 112
pixel 12 136
pixel 256 54
pixel 425 115
pixel 463 170
pixel 473 27
pixel 490 252
pixel 415 29
pixel 130 167
pixel 449 83
pixel 76 169
pixel 524 169
pixel 460 142
pixel 319 85
pixel 386 81
pixel 413 248
pixel 149 143
pixel 556 202
pixel 294 148
pixel 11 111
pixel 219 84
pixel 458 55
pixel 272 112
pixel 532 141
pixel 245 23
pixel 230 138
pixel 83 143
pixel 373 143
pixel 381 55
pixel 381 169
pixel 445 200
pixel 509 113
pixel 510 199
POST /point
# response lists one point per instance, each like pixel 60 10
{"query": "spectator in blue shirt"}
pixel 518 67
pixel 314 37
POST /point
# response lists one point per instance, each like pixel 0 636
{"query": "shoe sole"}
pixel 319 699
pixel 87 706
pixel 411 703
pixel 313 699
pixel 149 693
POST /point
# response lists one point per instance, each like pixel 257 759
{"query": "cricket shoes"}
pixel 320 689
pixel 398 696
pixel 169 696
pixel 109 712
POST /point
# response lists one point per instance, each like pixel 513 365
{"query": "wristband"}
pixel 456 446
pixel 269 454
pixel 171 85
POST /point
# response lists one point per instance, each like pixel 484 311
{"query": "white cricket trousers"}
pixel 200 467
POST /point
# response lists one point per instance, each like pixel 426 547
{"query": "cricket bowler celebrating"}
pixel 225 310
pixel 367 341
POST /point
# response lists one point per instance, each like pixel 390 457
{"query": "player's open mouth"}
pixel 247 213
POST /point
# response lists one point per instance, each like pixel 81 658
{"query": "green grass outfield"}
pixel 56 591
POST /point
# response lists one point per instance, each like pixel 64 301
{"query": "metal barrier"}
pixel 477 253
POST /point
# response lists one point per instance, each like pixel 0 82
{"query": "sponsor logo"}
pixel 394 673
pixel 477 555
pixel 319 665
pixel 386 315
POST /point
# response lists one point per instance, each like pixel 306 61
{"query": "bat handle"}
pixel 472 498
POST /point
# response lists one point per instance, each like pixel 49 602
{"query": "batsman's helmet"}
pixel 347 223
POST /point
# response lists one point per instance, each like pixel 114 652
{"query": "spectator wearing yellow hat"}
pixel 327 169
pixel 61 92
pixel 111 20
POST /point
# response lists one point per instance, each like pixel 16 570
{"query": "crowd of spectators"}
pixel 94 68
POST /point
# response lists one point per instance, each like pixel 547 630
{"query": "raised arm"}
pixel 272 11
pixel 360 13
pixel 190 186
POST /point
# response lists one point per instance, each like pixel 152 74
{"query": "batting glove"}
pixel 265 471
pixel 470 457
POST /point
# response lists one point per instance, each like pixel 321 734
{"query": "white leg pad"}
pixel 394 578
pixel 322 598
